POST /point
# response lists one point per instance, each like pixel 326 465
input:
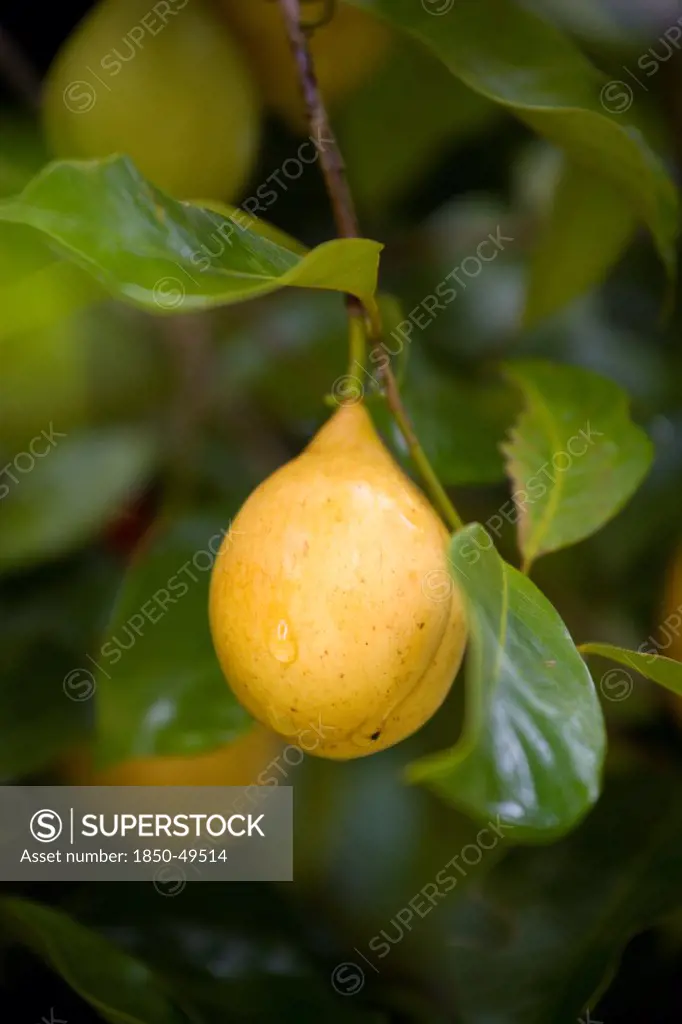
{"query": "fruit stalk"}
pixel 345 216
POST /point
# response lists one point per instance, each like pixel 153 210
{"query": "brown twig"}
pixel 333 167
pixel 345 216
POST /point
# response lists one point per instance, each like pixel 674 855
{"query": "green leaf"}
pixel 460 420
pixel 574 456
pixel 44 629
pixel 589 225
pixel 542 932
pixel 256 224
pixel 246 965
pixel 514 58
pixel 59 499
pixel 46 296
pixel 160 690
pixel 173 257
pixel 120 988
pixel 38 721
pixel 533 743
pixel 665 671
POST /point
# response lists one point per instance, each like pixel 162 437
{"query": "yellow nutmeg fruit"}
pixel 346 50
pixel 236 764
pixel 162 83
pixel 323 611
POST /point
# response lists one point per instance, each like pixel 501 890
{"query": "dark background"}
pixel 612 584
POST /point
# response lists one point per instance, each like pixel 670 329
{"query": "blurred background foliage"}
pixel 168 424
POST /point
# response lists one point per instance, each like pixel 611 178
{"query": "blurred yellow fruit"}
pixel 332 610
pixel 237 764
pixel 163 84
pixel 346 51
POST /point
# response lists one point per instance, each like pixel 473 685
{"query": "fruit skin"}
pixel 237 764
pixel 321 607
pixel 345 50
pixel 181 102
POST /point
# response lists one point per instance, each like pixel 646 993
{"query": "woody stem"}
pixel 345 216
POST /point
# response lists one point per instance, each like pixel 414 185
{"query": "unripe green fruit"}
pixel 346 51
pixel 168 88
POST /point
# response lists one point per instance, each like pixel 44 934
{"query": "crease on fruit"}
pixel 319 611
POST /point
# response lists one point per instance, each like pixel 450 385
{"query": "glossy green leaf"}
pixel 173 257
pixel 255 224
pixel 533 741
pixel 160 690
pixel 574 456
pixel 62 488
pixel 665 671
pixel 589 225
pixel 119 988
pixel 535 940
pixel 511 56
pixel 36 288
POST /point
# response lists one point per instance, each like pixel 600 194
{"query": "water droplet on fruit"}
pixel 283 646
